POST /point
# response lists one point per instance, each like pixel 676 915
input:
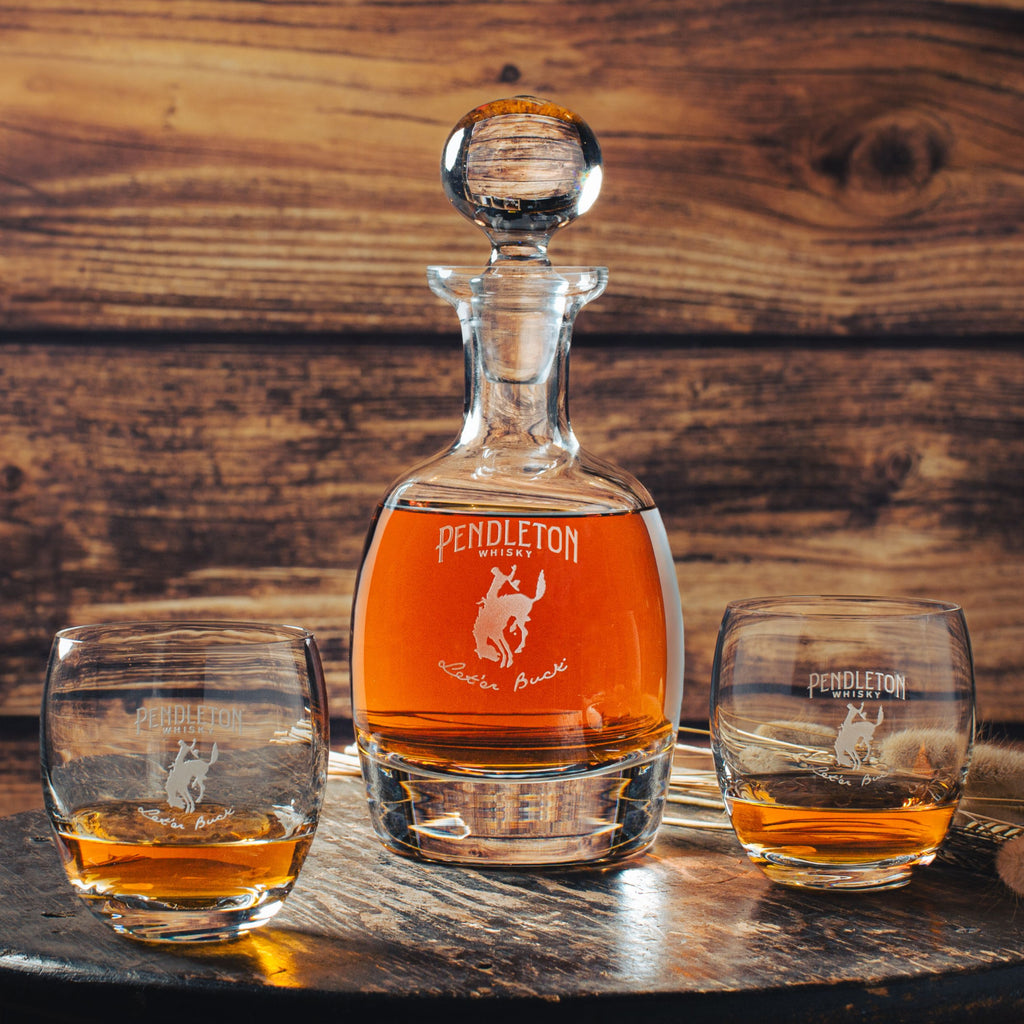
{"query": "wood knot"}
pixel 888 472
pixel 883 165
pixel 11 478
pixel 896 465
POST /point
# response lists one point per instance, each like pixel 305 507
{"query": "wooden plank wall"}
pixel 772 165
pixel 217 345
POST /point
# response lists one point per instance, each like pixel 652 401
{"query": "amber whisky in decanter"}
pixel 517 634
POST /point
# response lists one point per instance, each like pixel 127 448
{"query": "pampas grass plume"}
pixel 1010 864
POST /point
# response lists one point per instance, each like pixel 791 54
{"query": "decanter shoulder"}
pixel 555 483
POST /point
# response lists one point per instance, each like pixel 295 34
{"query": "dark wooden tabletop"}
pixel 689 932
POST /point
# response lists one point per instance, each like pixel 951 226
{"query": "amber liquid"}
pixel 199 864
pixel 872 826
pixel 573 676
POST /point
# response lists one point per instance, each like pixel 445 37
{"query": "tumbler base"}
pixel 147 921
pixel 890 874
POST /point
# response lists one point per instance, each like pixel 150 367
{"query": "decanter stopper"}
pixel 521 168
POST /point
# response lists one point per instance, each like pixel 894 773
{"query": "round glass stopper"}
pixel 520 168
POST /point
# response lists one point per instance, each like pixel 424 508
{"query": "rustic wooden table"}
pixel 690 932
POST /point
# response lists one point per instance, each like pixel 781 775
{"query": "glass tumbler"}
pixel 841 729
pixel 183 770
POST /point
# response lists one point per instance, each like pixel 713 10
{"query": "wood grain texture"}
pixel 158 478
pixel 799 167
pixel 20 785
pixel 691 931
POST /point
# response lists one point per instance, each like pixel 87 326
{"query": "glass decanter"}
pixel 517 633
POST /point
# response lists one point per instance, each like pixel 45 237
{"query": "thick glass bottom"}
pixel 151 921
pixel 870 841
pixel 514 820
pixel 861 877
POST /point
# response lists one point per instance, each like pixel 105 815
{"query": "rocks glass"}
pixel 841 729
pixel 183 771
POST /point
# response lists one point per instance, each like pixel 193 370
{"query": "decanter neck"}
pixel 517 320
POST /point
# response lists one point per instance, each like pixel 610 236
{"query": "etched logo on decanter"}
pixel 502 616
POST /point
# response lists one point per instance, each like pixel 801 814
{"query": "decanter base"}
pixel 504 821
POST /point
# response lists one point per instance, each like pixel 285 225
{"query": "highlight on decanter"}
pixel 517 645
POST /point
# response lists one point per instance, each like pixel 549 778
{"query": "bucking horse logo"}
pixel 855 736
pixel 186 781
pixel 502 615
